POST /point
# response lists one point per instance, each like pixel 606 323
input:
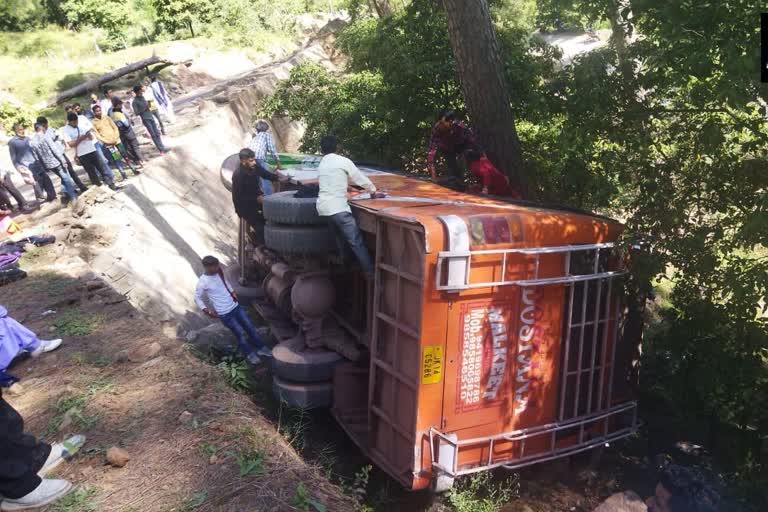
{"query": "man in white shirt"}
pixel 225 307
pixel 334 174
pixel 106 103
pixel 78 133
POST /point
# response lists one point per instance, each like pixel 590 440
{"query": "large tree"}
pixel 481 75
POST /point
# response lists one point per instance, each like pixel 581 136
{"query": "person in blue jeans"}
pixel 335 173
pixel 143 109
pixel 224 306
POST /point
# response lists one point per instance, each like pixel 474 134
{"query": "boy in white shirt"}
pixel 225 307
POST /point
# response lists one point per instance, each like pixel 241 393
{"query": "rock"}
pixel 94 284
pixel 118 457
pixel 185 417
pixel 122 356
pixel 87 470
pixel 145 352
pixel 627 501
pixel 215 335
pixel 66 421
pixel 213 460
pixel 15 389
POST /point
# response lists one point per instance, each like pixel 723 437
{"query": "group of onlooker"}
pixel 103 139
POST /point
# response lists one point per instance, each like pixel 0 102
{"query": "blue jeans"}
pixel 347 229
pixel 240 323
pixel 151 127
pixel 266 185
pixel 66 182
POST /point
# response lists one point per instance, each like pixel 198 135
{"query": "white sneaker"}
pixel 61 452
pixel 46 346
pixel 265 352
pixel 253 358
pixel 47 492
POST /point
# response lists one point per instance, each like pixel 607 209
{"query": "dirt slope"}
pixel 117 286
pixel 121 382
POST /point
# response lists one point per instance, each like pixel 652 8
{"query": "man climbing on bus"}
pixel 450 138
pixel 334 174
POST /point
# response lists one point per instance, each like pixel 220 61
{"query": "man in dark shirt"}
pixel 142 108
pixel 451 138
pixel 247 194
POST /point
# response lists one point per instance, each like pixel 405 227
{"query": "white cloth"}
pixel 164 103
pixel 218 295
pixel 105 104
pixel 334 174
pixel 71 133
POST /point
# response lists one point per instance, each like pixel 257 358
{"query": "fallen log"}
pixel 95 83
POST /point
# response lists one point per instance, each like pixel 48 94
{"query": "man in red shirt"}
pixel 451 138
pixel 494 183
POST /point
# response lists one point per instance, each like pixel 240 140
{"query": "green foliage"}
pixel 81 499
pixel 174 15
pixel 359 487
pixel 294 423
pixel 478 493
pixel 110 15
pixel 250 462
pixel 402 74
pixel 193 502
pixel 13 112
pixel 236 372
pixel 303 500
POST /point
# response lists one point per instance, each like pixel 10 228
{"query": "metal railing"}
pixel 530 259
pixel 450 448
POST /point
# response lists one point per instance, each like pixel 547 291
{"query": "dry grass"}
pixel 254 468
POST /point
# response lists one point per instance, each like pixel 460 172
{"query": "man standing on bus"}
pixel 450 138
pixel 334 174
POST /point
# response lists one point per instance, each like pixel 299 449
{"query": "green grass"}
pixel 75 404
pixel 250 462
pixel 206 449
pixel 79 500
pixel 76 323
pixel 478 493
pixel 192 503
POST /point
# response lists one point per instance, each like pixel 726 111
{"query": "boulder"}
pixel 627 501
pixel 215 336
pixel 118 457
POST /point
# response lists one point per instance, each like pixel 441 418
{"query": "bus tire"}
pixel 245 292
pixel 284 208
pixel 292 361
pixel 299 239
pixel 303 395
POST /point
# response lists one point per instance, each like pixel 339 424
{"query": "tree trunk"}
pixel 191 28
pixel 481 74
pixel 94 83
pixel 382 8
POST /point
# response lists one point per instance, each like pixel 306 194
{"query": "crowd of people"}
pixel 101 138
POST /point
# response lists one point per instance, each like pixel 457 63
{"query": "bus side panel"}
pixel 396 372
